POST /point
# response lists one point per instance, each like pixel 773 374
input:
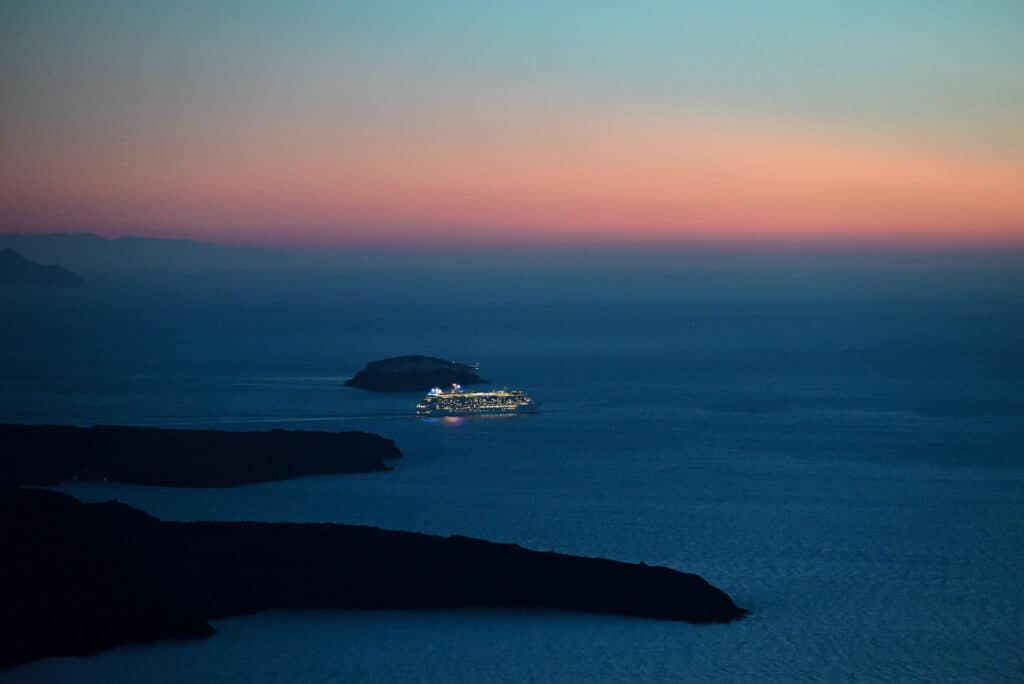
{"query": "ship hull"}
pixel 459 403
pixel 463 412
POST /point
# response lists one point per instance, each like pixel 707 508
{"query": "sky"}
pixel 490 123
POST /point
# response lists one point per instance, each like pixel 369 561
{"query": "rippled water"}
pixel 844 460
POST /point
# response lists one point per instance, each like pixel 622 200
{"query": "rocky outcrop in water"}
pixel 413 374
pixel 48 454
pixel 78 578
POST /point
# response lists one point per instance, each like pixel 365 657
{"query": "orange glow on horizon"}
pixel 520 181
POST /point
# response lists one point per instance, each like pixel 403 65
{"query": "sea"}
pixel 835 440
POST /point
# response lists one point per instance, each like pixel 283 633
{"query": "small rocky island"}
pixel 49 454
pixel 17 271
pixel 79 578
pixel 413 374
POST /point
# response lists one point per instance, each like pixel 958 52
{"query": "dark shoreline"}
pixel 80 578
pixel 43 455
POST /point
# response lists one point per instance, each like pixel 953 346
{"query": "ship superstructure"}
pixel 457 402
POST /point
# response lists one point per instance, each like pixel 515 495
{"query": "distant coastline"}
pixel 17 271
pixel 49 454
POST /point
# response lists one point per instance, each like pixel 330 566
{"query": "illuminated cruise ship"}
pixel 456 402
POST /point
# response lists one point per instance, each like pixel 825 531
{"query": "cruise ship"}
pixel 456 402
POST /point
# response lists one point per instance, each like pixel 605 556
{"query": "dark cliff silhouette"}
pixel 17 271
pixel 78 578
pixel 413 373
pixel 48 454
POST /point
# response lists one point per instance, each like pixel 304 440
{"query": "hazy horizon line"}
pixel 765 245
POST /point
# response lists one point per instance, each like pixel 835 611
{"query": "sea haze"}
pixel 835 439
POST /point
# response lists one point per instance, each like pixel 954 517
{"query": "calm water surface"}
pixel 842 452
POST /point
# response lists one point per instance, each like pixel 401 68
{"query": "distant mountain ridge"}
pixel 90 253
pixel 16 270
